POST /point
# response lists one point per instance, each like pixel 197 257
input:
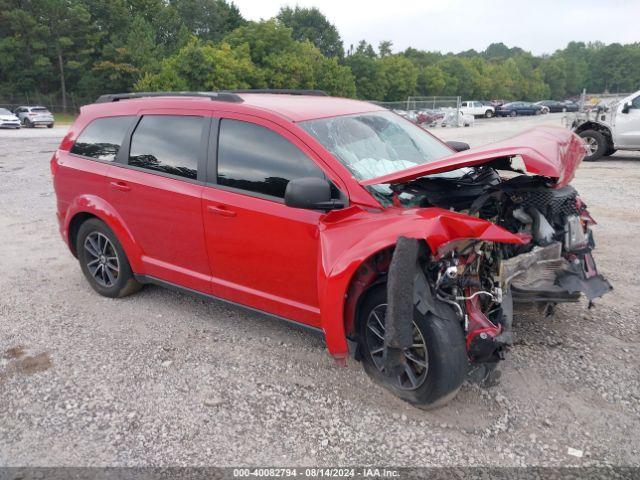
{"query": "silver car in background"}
pixel 8 119
pixel 34 116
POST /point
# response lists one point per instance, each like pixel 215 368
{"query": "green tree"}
pixel 385 48
pixel 555 76
pixel 366 71
pixel 24 61
pixel 310 24
pixel 207 19
pixel 202 66
pixel 398 77
pixel 431 81
pixel 123 61
pixel 364 48
pixel 70 34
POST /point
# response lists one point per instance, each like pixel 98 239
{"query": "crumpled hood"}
pixel 552 152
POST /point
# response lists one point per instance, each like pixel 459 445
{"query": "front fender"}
pixel 103 210
pixel 349 237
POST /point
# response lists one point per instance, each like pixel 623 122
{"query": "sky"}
pixel 539 26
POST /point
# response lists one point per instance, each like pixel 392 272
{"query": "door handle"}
pixel 220 210
pixel 123 187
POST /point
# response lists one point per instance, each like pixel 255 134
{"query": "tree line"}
pixel 79 49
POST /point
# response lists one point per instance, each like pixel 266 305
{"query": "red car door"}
pixel 263 253
pixel 155 189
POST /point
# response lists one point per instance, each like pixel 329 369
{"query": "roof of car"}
pixel 294 107
pixel 307 107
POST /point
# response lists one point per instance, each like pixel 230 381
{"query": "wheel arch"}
pixel 74 227
pixel 84 208
pixel 598 127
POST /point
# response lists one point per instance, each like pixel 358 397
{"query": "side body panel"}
pixel 626 126
pixel 263 253
pixel 164 216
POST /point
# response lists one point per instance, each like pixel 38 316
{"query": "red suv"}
pixel 337 214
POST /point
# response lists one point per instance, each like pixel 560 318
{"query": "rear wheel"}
pixel 103 260
pixel 435 364
pixel 513 113
pixel 596 144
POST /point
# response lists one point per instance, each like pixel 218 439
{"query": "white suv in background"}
pixel 477 109
pixel 34 116
pixel 614 127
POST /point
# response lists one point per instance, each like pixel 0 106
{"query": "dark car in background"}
pixel 555 106
pixel 513 109
pixel 552 106
pixel 570 106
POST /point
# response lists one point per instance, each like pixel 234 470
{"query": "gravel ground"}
pixel 161 378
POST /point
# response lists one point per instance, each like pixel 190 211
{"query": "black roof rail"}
pixel 284 91
pixel 219 96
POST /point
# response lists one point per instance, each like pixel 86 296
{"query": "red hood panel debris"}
pixel 548 151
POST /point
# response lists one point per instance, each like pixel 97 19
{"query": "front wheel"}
pixel 103 260
pixel 435 365
pixel 488 114
pixel 513 113
pixel 596 144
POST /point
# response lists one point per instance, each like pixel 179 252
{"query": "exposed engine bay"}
pixel 480 281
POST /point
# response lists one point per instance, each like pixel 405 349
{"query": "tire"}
pixel 537 112
pixel 610 151
pixel 513 113
pixel 107 281
pixel 446 353
pixel 488 114
pixel 596 143
pixel 50 125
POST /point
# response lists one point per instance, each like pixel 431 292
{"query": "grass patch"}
pixel 64 118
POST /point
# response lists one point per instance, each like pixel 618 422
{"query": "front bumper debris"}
pixel 544 275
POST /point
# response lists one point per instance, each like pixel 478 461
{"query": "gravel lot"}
pixel 161 378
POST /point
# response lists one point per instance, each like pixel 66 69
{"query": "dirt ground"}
pixel 161 378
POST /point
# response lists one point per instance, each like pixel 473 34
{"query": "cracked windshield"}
pixel 375 144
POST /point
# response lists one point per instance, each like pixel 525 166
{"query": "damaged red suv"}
pixel 337 214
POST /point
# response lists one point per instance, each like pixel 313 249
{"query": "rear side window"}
pixel 102 138
pixel 168 144
pixel 256 159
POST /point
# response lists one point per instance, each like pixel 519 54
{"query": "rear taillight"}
pixel 53 163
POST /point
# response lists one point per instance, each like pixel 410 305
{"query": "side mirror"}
pixel 458 146
pixel 311 193
pixel 626 107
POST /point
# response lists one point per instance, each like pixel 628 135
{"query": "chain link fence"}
pixel 430 111
pixel 52 102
